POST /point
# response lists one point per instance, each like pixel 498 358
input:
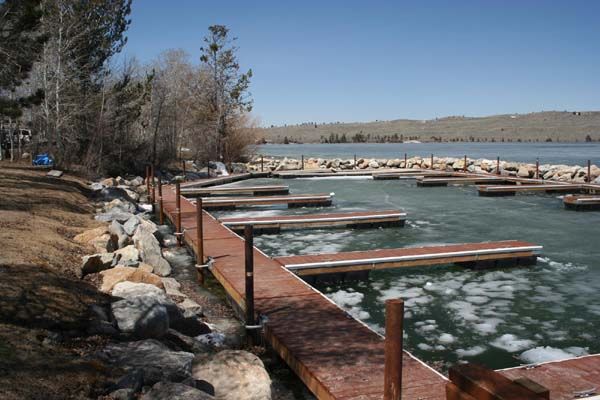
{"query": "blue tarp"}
pixel 43 159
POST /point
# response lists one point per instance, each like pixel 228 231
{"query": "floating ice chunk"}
pixel 446 338
pixel 470 352
pixel 477 299
pixel 439 347
pixel 346 298
pixel 511 343
pixel 427 328
pixel 488 326
pixel 424 346
pixel 547 353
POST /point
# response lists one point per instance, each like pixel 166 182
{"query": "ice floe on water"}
pixel 547 353
pixel 302 242
pixel 349 301
pixel 512 343
pixel 470 352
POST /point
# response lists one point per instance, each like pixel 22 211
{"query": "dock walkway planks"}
pixel 299 200
pixel 221 180
pixel 427 181
pixel 347 219
pixel 510 190
pixel 264 190
pixel 354 261
pixel 582 203
pixel 563 378
pixel 335 355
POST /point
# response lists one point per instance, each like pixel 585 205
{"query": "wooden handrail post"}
pixel 394 321
pixel 199 239
pixel 148 180
pixel 249 266
pixel 161 212
pixel 498 165
pixel 178 213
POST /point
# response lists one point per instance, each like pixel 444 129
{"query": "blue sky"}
pixel 328 61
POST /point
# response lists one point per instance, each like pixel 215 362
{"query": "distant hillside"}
pixel 541 126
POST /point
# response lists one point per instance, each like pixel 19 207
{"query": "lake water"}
pixel 501 318
pixel 548 153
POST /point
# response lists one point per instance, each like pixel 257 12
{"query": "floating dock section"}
pixel 235 190
pixel 582 203
pixel 511 190
pixel 300 200
pixel 367 219
pixel 336 356
pixel 427 181
pixel 222 180
pixel 478 255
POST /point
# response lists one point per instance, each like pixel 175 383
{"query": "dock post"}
pixel 148 180
pixel 249 253
pixel 498 166
pixel 355 166
pixel 183 168
pixel 405 160
pixel 178 232
pixel 262 163
pixel 394 321
pixel 537 168
pixel 153 196
pixel 208 169
pixel 161 212
pixel 302 162
pixel 199 239
pixel 465 166
pixel 431 165
pixel 589 175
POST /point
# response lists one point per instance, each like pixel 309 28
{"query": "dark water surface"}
pixel 548 153
pixel 501 318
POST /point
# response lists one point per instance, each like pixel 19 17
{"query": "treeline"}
pixel 58 77
pixel 399 138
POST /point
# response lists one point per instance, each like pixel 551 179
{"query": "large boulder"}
pixel 172 289
pixel 114 214
pixel 118 274
pixel 373 164
pixel 128 256
pixel 235 375
pixel 142 316
pixel 150 251
pixel 86 237
pixel 122 205
pixel 131 290
pixel 156 361
pixel 118 234
pixel 96 263
pixel 178 391
pixel 131 225
pixel 525 172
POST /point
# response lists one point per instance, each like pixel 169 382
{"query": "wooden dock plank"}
pixel 321 199
pixel 582 203
pixel 346 219
pixel 427 181
pixel 562 378
pixel 221 180
pixel 407 257
pixel 507 190
pixel 236 190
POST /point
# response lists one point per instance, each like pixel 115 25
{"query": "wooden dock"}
pixel 566 379
pixel 317 173
pixel 582 203
pixel 511 190
pixel 222 180
pixel 427 181
pixel 367 219
pixel 300 200
pixel 335 355
pixel 487 254
pixel 266 190
pixel 409 174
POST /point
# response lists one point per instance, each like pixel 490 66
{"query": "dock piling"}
pixel 355 166
pixel 431 165
pixel 589 171
pixel 178 232
pixel 183 168
pixel 302 162
pixel 262 163
pixel 405 160
pixel 249 292
pixel 465 166
pixel 537 168
pixel 161 211
pixel 498 165
pixel 199 239
pixel 394 321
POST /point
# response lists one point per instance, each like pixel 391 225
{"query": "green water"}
pixel 501 318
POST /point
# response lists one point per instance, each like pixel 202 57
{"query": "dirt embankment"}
pixel 44 309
